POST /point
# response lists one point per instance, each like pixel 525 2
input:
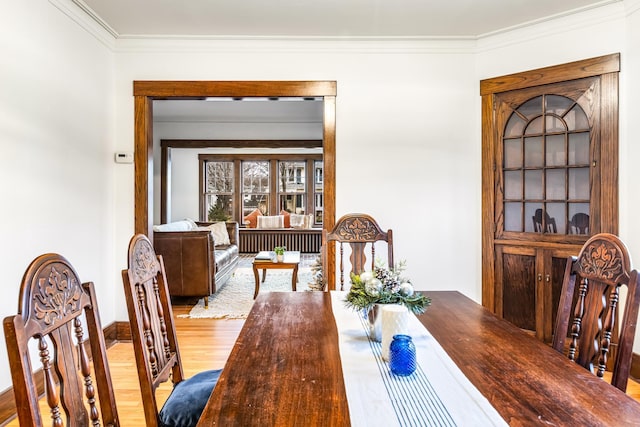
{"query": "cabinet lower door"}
pixel 516 285
pixel 529 283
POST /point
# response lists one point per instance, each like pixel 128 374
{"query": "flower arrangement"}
pixel 279 250
pixel 385 286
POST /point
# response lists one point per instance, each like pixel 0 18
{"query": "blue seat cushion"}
pixel 187 400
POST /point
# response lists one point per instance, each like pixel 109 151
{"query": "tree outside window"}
pixel 219 191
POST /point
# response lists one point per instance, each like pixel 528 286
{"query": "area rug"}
pixel 235 299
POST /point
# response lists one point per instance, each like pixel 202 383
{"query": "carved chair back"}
pixel 151 320
pixel 51 303
pixel 360 232
pixel 601 268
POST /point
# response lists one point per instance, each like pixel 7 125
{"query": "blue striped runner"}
pixel 414 400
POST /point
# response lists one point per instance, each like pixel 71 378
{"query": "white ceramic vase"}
pixel 394 322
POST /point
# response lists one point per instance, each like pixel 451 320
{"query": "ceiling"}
pixel 340 19
pixel 324 18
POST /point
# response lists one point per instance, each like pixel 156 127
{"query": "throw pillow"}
pixel 220 233
pixel 252 219
pixel 287 222
pixel 297 221
pixel 301 221
pixel 275 221
pixel 183 225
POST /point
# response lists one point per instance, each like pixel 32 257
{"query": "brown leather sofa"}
pixel 194 265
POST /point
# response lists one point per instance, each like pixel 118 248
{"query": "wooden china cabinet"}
pixel 549 181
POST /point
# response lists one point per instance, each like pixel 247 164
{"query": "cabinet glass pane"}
pixel 531 108
pixel 554 124
pixel 530 215
pixel 579 148
pixel 514 127
pixel 556 212
pixel 555 184
pixel 557 104
pixel 512 153
pixel 576 119
pixel 579 222
pixel 579 183
pixel 513 185
pixel 555 150
pixel 533 184
pixel 535 126
pixel 533 152
pixel 513 217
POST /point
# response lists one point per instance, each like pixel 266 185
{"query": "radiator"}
pixel 306 241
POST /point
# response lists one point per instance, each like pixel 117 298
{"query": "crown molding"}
pixel 84 16
pixel 602 13
pixel 294 45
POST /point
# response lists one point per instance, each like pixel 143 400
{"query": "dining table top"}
pixel 285 368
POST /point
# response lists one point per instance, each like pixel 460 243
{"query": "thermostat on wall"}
pixel 124 157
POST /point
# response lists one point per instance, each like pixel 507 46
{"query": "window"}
pixel 292 186
pixel 236 185
pixel 318 191
pixel 218 194
pixel 255 187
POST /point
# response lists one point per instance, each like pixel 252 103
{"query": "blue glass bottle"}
pixel 402 355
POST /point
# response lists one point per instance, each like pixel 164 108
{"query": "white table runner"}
pixel 437 394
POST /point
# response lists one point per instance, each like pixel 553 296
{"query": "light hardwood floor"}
pixel 204 344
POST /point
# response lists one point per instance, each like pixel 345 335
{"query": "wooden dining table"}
pixel 285 368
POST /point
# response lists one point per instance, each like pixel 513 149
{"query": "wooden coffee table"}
pixel 291 261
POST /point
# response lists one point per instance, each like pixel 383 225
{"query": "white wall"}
pixel 56 132
pixel 403 136
pixel 407 143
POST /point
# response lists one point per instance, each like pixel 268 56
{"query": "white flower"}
pixel 366 276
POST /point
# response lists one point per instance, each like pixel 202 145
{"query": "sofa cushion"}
pixel 275 221
pixel 219 233
pixel 251 219
pixel 184 225
pixel 287 222
pixel 224 255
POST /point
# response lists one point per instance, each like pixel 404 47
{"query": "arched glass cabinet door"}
pixel 546 163
pixel 546 167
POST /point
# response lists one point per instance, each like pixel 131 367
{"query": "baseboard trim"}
pixel 113 333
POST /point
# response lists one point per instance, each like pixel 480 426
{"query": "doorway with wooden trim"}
pixel 146 91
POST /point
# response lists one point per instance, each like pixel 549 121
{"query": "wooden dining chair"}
pixel 361 232
pixel 601 268
pixel 74 367
pixel 155 342
pixel 579 224
pixel 549 225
